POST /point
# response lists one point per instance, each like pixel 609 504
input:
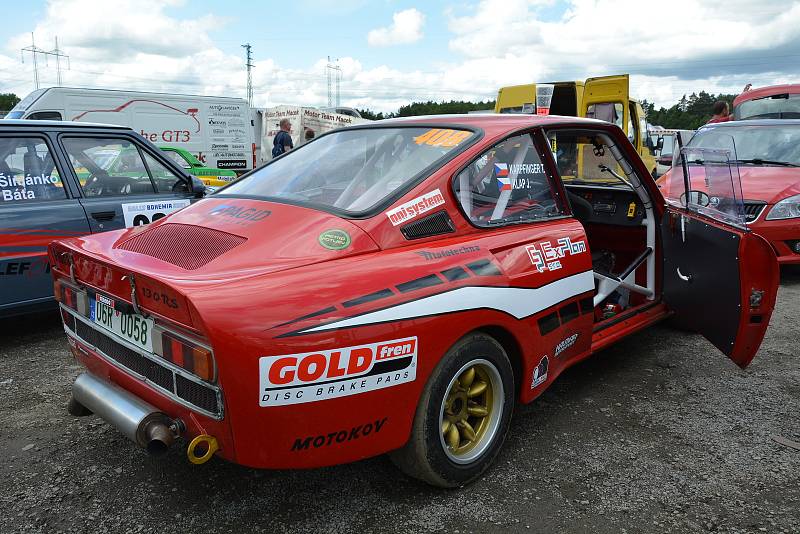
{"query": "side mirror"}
pixel 660 143
pixel 698 198
pixel 199 189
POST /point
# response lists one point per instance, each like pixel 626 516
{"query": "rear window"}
pixel 352 170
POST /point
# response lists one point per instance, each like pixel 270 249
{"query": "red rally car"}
pixel 396 287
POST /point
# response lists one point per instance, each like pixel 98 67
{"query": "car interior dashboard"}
pixel 605 204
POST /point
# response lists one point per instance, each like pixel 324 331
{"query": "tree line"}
pixel 689 113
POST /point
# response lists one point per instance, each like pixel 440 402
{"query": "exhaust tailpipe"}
pixel 139 421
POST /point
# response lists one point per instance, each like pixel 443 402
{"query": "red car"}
pixel 767 155
pixel 395 287
pixel 772 102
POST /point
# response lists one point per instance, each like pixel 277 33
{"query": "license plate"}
pixel 131 327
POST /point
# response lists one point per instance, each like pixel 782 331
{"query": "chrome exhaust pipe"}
pixel 142 423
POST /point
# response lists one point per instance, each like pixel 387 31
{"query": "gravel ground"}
pixel 658 434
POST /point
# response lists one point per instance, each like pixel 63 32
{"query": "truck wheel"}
pixel 463 415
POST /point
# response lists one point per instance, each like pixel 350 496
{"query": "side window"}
pixel 108 167
pixel 27 171
pixel 607 111
pixel 166 180
pixel 177 159
pixel 584 157
pixel 507 184
pixel 633 128
pixel 45 116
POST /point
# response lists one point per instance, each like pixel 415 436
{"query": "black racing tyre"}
pixel 463 415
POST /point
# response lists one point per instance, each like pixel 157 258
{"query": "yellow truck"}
pixel 605 98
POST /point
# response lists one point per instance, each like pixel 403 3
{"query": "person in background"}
pixel 283 141
pixel 309 134
pixel 722 112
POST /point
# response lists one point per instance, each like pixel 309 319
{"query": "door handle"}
pixel 685 278
pixel 103 215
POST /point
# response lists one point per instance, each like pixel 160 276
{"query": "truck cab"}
pixel 606 98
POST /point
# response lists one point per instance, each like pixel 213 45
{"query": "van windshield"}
pixel 784 106
pixel 352 170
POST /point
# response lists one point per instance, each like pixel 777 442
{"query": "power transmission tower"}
pixel 249 74
pixel 34 50
pixel 334 72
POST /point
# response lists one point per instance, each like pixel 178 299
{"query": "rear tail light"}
pixel 194 356
pixel 71 297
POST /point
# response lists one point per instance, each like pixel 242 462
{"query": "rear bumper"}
pixel 141 390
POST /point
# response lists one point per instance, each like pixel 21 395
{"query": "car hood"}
pixel 764 183
pixel 222 239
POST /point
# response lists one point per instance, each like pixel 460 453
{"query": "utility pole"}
pixel 334 72
pixel 250 66
pixel 57 52
pixel 34 50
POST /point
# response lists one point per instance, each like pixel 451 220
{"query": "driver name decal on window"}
pixel 546 256
pixel 415 208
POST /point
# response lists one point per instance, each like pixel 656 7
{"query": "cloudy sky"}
pixel 393 52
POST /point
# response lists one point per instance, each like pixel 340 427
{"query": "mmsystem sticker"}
pixel 330 374
pixel 415 208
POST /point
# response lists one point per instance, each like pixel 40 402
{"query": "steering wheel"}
pixel 94 186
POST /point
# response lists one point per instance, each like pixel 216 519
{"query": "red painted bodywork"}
pixel 763 183
pixel 260 299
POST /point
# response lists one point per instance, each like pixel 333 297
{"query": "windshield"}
pixel 754 144
pixel 352 170
pixel 784 106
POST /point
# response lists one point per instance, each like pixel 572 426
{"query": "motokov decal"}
pixel 342 436
pixel 415 208
pixel 329 374
pixel 565 344
pixel 540 373
pixel 334 239
pixel 545 256
pixel 139 213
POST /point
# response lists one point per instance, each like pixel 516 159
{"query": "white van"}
pixel 217 130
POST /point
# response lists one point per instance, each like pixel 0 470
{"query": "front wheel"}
pixel 463 415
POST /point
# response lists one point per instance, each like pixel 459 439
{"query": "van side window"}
pixel 45 116
pixel 27 171
pixel 507 184
pixel 166 180
pixel 108 167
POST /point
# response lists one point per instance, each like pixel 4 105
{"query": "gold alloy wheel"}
pixel 471 411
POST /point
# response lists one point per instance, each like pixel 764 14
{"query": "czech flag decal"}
pixel 501 170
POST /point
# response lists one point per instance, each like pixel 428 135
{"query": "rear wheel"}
pixel 463 415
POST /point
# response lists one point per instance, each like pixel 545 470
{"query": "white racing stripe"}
pixel 516 301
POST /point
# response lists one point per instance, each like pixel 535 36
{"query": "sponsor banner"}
pixel 546 256
pixel 330 374
pixel 414 208
pixel 300 120
pixel 139 213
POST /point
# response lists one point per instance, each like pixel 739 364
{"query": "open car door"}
pixel 719 278
pixel 606 98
